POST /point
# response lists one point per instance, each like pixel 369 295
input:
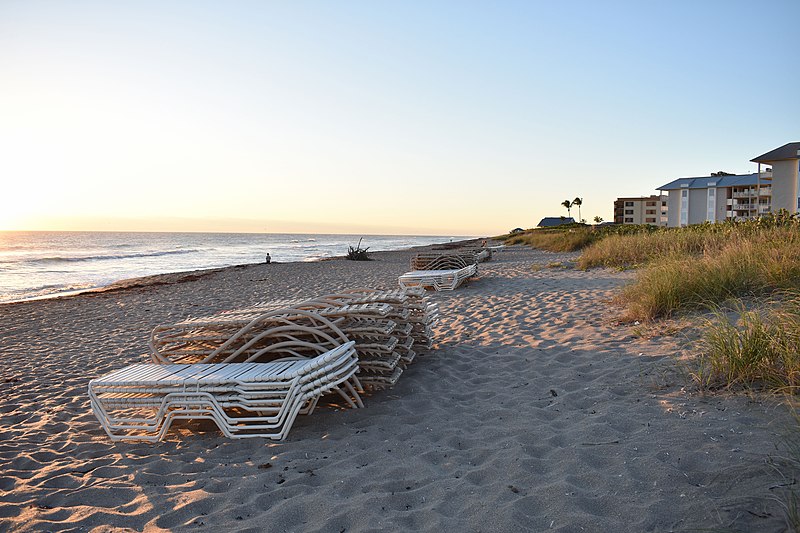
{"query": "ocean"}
pixel 40 264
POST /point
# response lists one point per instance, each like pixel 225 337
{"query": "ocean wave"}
pixel 45 291
pixel 106 257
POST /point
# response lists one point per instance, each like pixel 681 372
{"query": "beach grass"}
pixel 696 273
pixel 637 249
pixel 570 237
pixel 563 240
pixel 679 282
pixel 752 347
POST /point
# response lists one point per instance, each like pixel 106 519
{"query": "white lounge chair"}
pixel 140 402
pixel 438 272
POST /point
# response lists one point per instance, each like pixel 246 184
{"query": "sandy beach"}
pixel 535 411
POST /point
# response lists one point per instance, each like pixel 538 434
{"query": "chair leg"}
pixel 354 393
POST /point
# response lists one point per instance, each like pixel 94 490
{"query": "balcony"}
pixel 751 193
pixel 738 201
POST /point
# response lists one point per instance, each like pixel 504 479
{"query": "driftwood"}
pixel 358 253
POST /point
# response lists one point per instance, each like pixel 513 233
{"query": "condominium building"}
pixel 641 210
pixel 724 196
pixel 718 197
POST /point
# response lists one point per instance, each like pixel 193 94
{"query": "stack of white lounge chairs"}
pixel 473 254
pixel 414 317
pixel 140 402
pixel 388 327
pixel 384 331
pixel 444 271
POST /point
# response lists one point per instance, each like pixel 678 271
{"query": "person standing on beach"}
pixel 269 259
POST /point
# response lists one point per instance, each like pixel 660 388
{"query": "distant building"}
pixel 551 222
pixel 641 210
pixel 516 230
pixel 723 196
pixel 718 197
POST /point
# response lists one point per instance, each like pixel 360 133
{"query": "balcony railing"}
pixel 765 191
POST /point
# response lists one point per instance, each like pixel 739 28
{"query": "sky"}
pixel 414 117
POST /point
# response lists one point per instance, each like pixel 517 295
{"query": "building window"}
pixel 650 204
pixel 629 220
pixel 629 211
pixel 650 212
pixel 628 204
pixel 649 220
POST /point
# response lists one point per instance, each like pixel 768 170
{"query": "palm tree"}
pixel 579 203
pixel 598 219
pixel 568 205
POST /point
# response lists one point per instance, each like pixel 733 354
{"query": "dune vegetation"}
pixel 753 347
pixel 687 268
pixel 572 237
pixel 707 267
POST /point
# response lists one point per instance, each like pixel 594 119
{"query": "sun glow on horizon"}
pixel 219 225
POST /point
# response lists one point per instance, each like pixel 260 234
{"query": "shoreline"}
pixel 190 275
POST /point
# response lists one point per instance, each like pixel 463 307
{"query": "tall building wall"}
pixel 784 185
pixel 722 204
pixel 698 199
pixel 674 208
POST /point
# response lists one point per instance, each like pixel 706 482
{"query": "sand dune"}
pixel 533 412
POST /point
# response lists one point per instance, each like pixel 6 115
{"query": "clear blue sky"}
pixel 390 117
